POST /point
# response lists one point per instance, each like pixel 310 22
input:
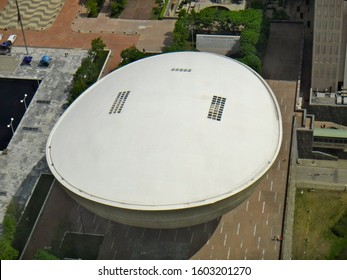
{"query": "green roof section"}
pixel 329 132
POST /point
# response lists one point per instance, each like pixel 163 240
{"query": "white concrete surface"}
pixel 162 152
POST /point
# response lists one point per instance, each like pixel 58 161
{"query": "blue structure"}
pixel 45 60
pixel 27 60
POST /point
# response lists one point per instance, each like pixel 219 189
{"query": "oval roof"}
pixel 168 132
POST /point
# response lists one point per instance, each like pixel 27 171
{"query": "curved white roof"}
pixel 155 148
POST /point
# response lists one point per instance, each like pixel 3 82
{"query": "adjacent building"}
pixel 329 59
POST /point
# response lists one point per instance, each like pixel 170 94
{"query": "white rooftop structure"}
pixel 165 134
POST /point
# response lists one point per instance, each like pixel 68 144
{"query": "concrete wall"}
pixel 305 141
pixel 166 219
pixel 329 113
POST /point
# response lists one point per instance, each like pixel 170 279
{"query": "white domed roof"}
pixel 168 132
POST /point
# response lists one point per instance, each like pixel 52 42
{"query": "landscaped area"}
pixel 319 229
pixel 250 24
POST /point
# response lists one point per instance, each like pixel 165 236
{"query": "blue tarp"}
pixel 27 59
pixel 6 44
pixel 45 60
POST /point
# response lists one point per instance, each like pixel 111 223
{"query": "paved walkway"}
pixel 35 14
pixel 72 29
pixel 24 159
pixel 331 174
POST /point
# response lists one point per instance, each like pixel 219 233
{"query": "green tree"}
pixel 252 61
pixel 97 46
pixel 249 36
pixel 117 6
pixel 130 55
pixel 7 252
pixel 79 86
pixel 92 8
pixel 89 70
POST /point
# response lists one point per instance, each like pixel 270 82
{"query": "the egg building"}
pixel 168 141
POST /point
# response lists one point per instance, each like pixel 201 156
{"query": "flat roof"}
pixel 330 132
pixel 168 132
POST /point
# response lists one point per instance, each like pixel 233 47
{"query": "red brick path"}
pixel 60 35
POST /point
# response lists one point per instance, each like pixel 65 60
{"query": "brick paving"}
pixel 72 30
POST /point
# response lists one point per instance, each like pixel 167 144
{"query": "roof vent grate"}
pixel 29 128
pixel 43 101
pixel 216 108
pixel 181 70
pixel 118 103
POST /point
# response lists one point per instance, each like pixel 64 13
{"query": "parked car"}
pixel 12 38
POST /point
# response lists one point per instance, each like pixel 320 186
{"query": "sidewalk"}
pixel 24 158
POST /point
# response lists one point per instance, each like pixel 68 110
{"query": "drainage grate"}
pixel 43 101
pixel 216 108
pixel 181 70
pixel 119 102
pixel 28 128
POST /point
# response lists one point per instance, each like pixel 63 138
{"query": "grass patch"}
pixel 316 214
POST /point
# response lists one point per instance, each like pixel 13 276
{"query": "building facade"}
pixel 329 59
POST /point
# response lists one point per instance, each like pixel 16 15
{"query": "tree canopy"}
pixel 89 70
pixel 250 24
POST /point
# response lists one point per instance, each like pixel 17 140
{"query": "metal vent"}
pixel 181 70
pixel 118 103
pixel 216 108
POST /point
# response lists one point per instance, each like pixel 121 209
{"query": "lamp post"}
pixel 23 101
pixel 38 78
pixel 11 126
pixel 19 18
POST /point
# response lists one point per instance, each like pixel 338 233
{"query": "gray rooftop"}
pixel 19 164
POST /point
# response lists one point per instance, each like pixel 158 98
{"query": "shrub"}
pixel 89 70
pixel 117 6
pixel 7 251
pixel 252 61
pixel 44 255
pixel 92 8
pixel 130 55
pixel 340 228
